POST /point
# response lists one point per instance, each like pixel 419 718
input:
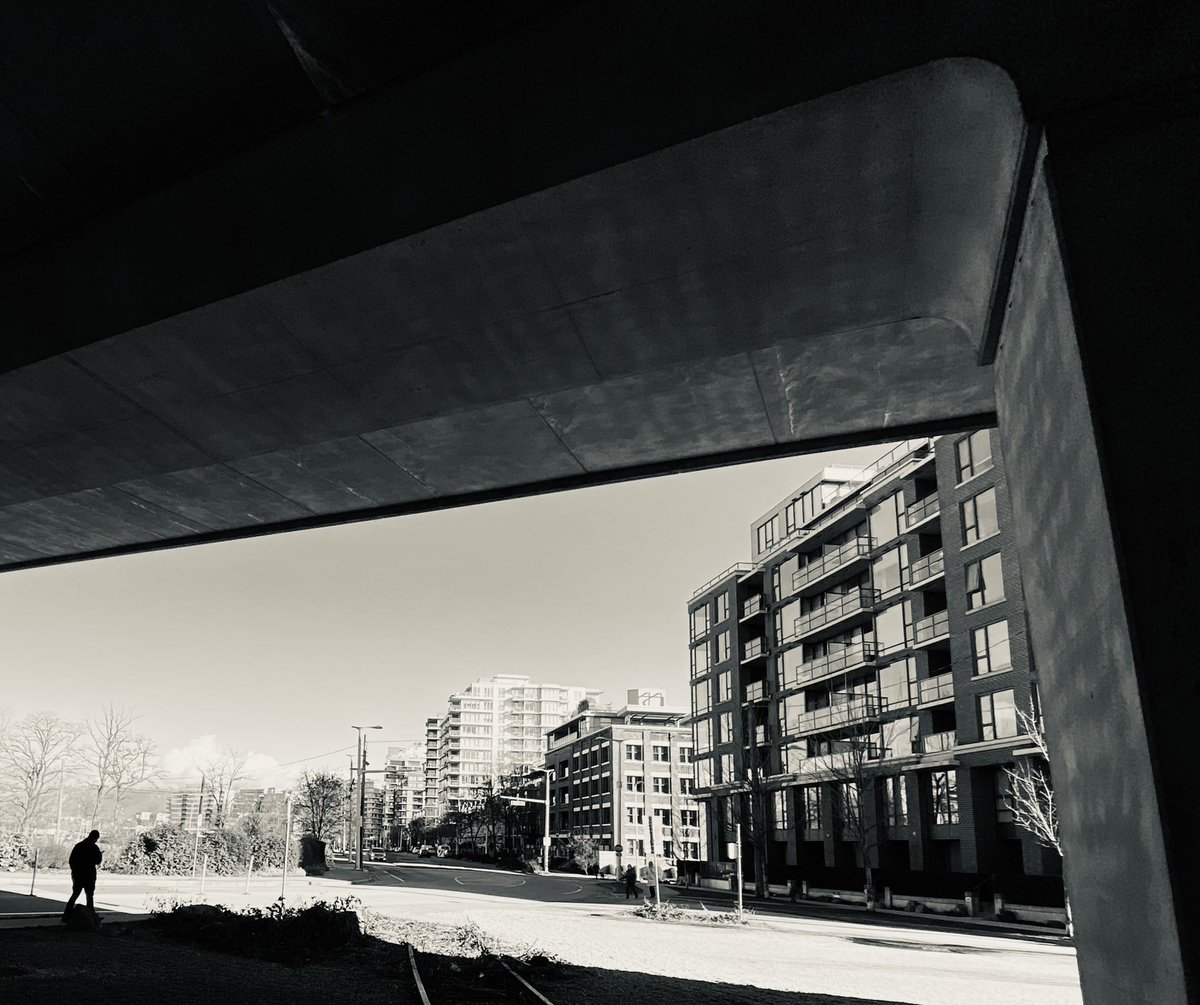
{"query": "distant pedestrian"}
pixel 631 887
pixel 85 857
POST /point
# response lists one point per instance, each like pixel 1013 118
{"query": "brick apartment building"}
pixel 882 611
pixel 614 770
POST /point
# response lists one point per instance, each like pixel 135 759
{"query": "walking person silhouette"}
pixel 85 857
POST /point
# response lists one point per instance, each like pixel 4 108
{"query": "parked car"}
pixel 443 851
pixel 376 855
pixel 426 851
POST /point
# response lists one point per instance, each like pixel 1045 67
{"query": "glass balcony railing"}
pixel 753 649
pixel 760 736
pixel 936 688
pixel 929 629
pixel 831 561
pixel 922 510
pixel 927 568
pixel 734 570
pixel 752 606
pixel 848 658
pixel 835 610
pixel 755 692
pixel 841 713
pixel 935 742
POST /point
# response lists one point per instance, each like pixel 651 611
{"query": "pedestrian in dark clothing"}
pixel 85 857
pixel 631 887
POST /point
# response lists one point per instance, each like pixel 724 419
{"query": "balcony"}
pixel 931 629
pixel 760 737
pixel 936 742
pixel 927 569
pixel 849 658
pixel 935 689
pixel 841 713
pixel 849 557
pixel 820 619
pixel 752 650
pixel 752 606
pixel 734 570
pixel 755 692
pixel 924 511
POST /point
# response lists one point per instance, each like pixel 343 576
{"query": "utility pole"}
pixel 546 830
pixel 362 800
pixel 738 848
pixel 62 766
pixel 287 844
pixel 199 820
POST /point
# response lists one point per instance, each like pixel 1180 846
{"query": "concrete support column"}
pixel 1089 391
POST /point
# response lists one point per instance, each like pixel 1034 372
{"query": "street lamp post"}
pixel 362 793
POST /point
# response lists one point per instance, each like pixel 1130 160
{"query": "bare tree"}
pixel 754 807
pixel 856 765
pixel 220 774
pixel 321 803
pixel 1031 796
pixel 115 757
pixel 31 750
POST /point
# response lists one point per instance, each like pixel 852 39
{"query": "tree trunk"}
pixel 868 885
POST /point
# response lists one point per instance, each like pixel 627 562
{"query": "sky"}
pixel 276 645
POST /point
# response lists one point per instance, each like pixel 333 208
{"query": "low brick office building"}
pixel 614 770
pixel 882 611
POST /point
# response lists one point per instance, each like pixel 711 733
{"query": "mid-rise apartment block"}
pixel 496 726
pixel 615 771
pixel 404 785
pixel 881 615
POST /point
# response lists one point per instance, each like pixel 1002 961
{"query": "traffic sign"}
pixel 517 802
pixel 546 841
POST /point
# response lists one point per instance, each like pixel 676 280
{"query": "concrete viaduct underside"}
pixel 271 266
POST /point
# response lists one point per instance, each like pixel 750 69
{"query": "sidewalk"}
pixel 816 909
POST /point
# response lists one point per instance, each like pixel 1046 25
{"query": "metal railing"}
pixel 755 692
pixel 752 649
pixel 831 561
pixel 733 570
pixel 923 509
pixel 851 603
pixel 932 565
pixel 933 627
pixel 935 742
pixel 936 688
pixel 846 659
pixel 842 500
pixel 840 713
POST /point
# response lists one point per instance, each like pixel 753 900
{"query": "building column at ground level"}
pixel 1095 384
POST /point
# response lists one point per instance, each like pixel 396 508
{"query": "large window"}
pixel 779 809
pixel 724 686
pixel 1004 810
pixel 892 626
pixel 884 519
pixel 635 783
pixel 974 454
pixel 687 786
pixel 893 684
pixel 985 582
pixel 766 534
pixel 702 732
pixel 661 752
pixel 722 608
pixel 991 649
pixel 782 575
pixel 725 727
pixel 635 814
pixel 662 783
pixel 727 772
pixel 979 517
pixel 895 801
pixel 701 697
pixel 700 621
pixel 700 661
pixel 997 715
pixel 689 818
pixel 810 804
pixel 885 571
pixel 633 751
pixel 944 793
pixel 723 647
pixel 685 755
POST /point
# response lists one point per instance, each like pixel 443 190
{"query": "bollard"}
pixel 887 897
pixel 249 872
pixel 203 872
pixel 998 905
pixel 969 900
